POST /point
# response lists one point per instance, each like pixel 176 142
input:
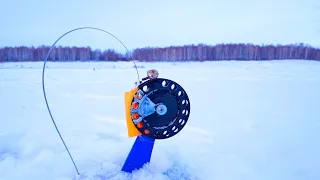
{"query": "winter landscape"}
pixel 251 70
pixel 248 120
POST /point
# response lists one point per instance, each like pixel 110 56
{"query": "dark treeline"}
pixel 228 52
pixel 200 52
pixel 23 53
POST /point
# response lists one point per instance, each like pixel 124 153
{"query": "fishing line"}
pixel 43 86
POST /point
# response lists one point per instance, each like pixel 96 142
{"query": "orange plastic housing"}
pixel 132 130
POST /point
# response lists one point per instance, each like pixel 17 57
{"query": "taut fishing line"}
pixel 43 86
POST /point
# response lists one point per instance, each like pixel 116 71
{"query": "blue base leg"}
pixel 140 154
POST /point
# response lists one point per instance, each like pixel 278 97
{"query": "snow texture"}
pixel 248 121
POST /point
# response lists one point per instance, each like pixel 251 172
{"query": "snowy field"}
pixel 248 121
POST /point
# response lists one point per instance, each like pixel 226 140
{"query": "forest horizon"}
pixel 199 52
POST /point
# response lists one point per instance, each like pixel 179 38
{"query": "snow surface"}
pixel 248 121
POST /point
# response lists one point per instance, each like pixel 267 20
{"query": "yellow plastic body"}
pixel 132 130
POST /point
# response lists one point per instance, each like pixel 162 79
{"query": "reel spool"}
pixel 160 107
pixel 157 108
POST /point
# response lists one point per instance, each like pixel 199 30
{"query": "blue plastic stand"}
pixel 139 155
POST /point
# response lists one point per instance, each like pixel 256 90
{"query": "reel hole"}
pixel 184 111
pixel 174 127
pixel 165 132
pixel 183 122
pixel 180 120
pixel 187 102
pixel 173 87
pixel 180 93
pixel 183 102
pixel 176 130
pixel 187 112
pixel 145 88
pixel 164 83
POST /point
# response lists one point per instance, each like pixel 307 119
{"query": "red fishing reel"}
pixel 160 108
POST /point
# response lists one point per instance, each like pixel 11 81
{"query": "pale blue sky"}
pixel 160 23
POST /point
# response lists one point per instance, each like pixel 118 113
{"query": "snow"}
pixel 248 120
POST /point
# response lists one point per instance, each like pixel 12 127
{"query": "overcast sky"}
pixel 160 23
